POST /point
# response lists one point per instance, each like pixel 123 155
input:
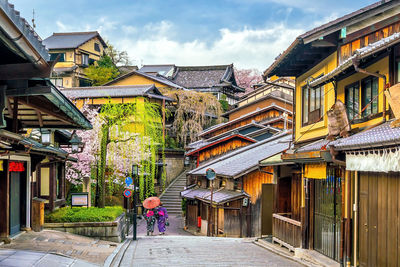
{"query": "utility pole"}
pixel 210 175
pixel 135 176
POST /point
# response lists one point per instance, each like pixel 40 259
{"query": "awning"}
pixel 359 54
pixel 220 196
pixel 46 107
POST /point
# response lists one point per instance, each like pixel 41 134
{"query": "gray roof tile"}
pixel 219 196
pixel 70 39
pixel 243 160
pixel 113 91
pixel 379 136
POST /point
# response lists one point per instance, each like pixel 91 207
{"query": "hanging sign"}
pixel 1 165
pixel 15 166
pixel 210 174
pixel 127 193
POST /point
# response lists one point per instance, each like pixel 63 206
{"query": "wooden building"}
pixel 343 70
pixel 278 92
pixel 75 52
pixel 29 101
pixel 238 171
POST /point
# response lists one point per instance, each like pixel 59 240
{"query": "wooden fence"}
pixel 286 231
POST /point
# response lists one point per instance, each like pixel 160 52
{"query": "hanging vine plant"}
pixel 130 134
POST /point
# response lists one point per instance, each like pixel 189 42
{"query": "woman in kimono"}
pixel 162 219
pixel 150 216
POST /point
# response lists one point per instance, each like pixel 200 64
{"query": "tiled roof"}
pixel 279 95
pixel 24 27
pixel 114 91
pixel 379 136
pixel 314 146
pixel 70 39
pixel 210 143
pixel 198 77
pixel 157 78
pixel 220 196
pixel 36 146
pixel 244 160
pixel 221 125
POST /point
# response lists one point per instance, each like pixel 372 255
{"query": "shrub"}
pixel 83 214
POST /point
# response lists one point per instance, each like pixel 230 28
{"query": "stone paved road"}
pixel 23 258
pixel 199 251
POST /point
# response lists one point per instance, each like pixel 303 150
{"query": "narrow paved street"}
pixel 180 248
pixel 199 251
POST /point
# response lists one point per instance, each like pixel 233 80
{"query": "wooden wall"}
pixel 222 148
pixel 4 201
pixel 252 182
pixel 269 114
pixel 262 104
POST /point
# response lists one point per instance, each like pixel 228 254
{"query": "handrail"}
pixel 286 219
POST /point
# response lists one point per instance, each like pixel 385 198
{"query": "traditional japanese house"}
pixel 219 80
pixel 278 92
pixel 96 96
pixel 245 204
pixel 272 115
pixel 342 70
pixel 29 101
pixel 75 52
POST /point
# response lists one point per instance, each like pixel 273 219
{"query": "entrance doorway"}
pixel 15 203
pixel 328 213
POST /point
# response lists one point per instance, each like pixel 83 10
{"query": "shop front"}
pixel 15 201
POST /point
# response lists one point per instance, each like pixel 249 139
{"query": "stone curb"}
pixel 271 248
pixel 114 254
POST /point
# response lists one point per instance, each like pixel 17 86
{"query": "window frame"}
pixel 97 47
pixel 346 88
pixel 362 96
pixel 53 56
pixel 316 105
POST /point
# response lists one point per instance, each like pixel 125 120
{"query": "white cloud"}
pixel 246 48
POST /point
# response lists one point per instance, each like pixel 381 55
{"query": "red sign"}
pixel 14 166
pixel 127 193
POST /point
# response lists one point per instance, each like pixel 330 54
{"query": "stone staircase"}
pixel 171 197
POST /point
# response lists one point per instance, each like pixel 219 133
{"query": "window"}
pixel 85 59
pixel 369 90
pixel 352 98
pixel 84 83
pixel 53 57
pixel 97 47
pixel 313 107
pixel 57 81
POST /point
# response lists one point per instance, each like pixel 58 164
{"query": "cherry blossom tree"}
pixel 245 78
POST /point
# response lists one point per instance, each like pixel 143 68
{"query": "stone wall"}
pixel 110 231
pixel 175 163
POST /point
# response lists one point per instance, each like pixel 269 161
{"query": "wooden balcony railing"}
pixel 286 231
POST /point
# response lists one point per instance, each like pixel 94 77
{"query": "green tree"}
pixel 102 71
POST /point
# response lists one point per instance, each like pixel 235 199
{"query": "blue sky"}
pixel 248 33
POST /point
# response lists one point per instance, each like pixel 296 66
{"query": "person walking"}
pixel 162 219
pixel 151 220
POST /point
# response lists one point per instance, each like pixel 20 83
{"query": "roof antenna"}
pixel 33 19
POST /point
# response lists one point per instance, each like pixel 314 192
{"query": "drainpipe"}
pixel 356 62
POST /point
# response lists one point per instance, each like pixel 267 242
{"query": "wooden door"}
pixel 267 208
pixel 15 203
pixel 379 213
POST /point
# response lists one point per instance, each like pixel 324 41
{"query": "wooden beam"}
pixel 22 71
pixel 40 119
pixel 44 110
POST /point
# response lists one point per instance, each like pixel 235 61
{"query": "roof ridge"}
pixel 74 33
pixel 107 86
